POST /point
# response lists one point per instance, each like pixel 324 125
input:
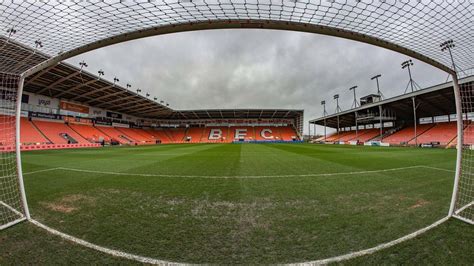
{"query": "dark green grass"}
pixel 210 219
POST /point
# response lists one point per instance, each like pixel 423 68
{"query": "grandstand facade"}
pixel 68 107
pixel 426 117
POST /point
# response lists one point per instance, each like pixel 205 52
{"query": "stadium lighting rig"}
pixel 138 91
pixel 447 45
pixel 323 103
pixel 411 83
pixel 338 108
pixel 10 32
pixel 38 44
pixel 379 92
pixel 355 104
pixel 100 73
pixel 83 65
pixel 116 80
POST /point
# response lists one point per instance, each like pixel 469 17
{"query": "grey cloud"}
pixel 255 69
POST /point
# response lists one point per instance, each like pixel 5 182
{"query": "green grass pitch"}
pixel 239 203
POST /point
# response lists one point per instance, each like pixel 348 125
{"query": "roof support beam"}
pixel 39 74
pixel 59 81
pixel 77 87
pixel 92 92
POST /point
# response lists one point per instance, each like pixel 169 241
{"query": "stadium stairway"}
pixel 89 132
pixel 368 134
pixel 405 135
pixel 194 135
pixel 159 135
pixel 58 132
pixel 31 134
pixel 176 135
pixel 288 133
pixel 115 134
pixel 136 136
pixel 443 133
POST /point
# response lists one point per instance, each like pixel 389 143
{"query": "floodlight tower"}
pixel 447 45
pixel 355 104
pixel 411 82
pixel 323 103
pixel 379 92
pixel 338 109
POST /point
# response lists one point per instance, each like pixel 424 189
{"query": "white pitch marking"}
pixel 43 170
pixel 374 249
pixel 250 176
pixel 109 251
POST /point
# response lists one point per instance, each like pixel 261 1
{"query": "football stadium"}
pixel 94 171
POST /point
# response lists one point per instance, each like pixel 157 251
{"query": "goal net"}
pixel 464 201
pixel 11 206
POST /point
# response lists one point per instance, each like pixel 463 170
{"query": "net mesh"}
pixel 11 208
pixel 419 26
pixel 52 28
pixel 464 206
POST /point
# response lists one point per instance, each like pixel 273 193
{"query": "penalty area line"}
pixel 43 170
pixel 248 176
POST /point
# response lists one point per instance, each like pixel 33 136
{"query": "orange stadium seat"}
pixel 195 134
pixel 30 134
pixel 116 135
pixel 406 134
pixel 137 135
pixel 443 133
pixel 288 133
pixel 176 135
pixel 159 135
pixel 58 132
pixel 367 134
pixel 90 133
pixel 336 137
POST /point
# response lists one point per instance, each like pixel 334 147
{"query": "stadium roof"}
pixel 236 114
pixel 433 101
pixel 68 82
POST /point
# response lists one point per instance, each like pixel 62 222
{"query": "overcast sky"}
pixel 255 69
